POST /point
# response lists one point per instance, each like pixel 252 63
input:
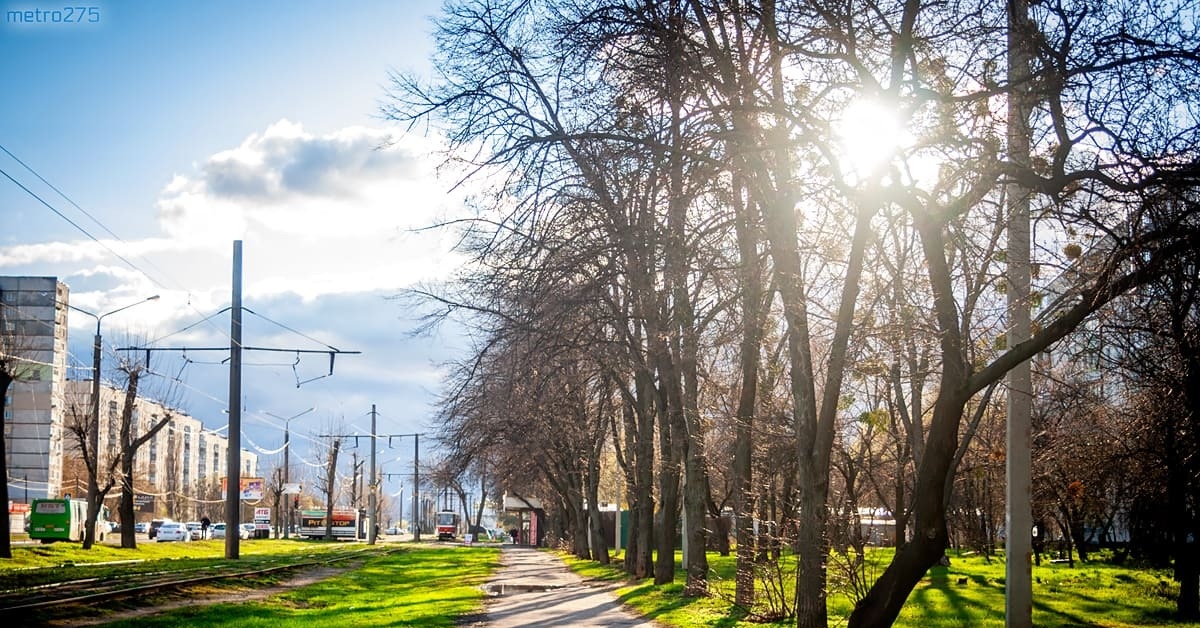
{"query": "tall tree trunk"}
pixel 643 534
pixel 330 486
pixel 5 523
pixel 1018 545
pixel 597 544
pixel 668 480
pixel 883 602
pixel 743 448
pixel 125 505
pixel 580 526
pixel 632 493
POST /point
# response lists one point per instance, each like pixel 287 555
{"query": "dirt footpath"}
pixel 535 588
pixel 304 578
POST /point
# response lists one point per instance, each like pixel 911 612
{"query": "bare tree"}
pixel 629 140
pixel 328 485
pixel 128 443
pixel 1155 340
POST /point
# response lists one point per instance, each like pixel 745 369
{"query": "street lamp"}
pixel 94 436
pixel 287 522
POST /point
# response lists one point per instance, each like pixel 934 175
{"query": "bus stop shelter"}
pixel 531 529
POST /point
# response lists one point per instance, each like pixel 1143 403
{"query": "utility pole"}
pixel 233 476
pixel 233 462
pixel 354 465
pixel 1018 544
pixel 371 499
pixel 287 433
pixel 375 480
pixel 416 513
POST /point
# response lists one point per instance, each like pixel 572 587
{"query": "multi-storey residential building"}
pixel 33 326
pixel 183 460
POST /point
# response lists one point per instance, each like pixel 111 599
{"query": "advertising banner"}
pixel 252 489
pixel 143 503
pixel 262 518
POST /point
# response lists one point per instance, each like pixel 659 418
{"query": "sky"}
pixel 172 129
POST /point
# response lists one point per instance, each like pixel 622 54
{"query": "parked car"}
pixel 154 525
pixel 217 530
pixel 141 527
pixel 246 531
pixel 392 531
pixel 173 531
pixel 196 530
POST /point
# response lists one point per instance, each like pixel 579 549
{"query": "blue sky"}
pixel 183 125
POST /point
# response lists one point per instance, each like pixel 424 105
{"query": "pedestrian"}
pixel 514 534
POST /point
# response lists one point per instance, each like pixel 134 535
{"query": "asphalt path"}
pixel 534 588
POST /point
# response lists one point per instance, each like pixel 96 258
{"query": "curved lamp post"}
pixel 94 435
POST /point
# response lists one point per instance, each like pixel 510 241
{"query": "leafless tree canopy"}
pixel 674 246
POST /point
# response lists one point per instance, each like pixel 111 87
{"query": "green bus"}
pixel 63 519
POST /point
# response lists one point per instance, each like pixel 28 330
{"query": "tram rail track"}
pixel 91 591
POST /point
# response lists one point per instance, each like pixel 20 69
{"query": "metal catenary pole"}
pixel 233 466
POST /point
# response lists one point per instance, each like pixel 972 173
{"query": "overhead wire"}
pixel 154 280
pixel 87 233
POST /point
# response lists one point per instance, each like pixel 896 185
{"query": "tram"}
pixel 63 519
pixel 447 525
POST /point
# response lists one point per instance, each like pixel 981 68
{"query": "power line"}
pixel 60 193
pixel 81 229
pixel 54 209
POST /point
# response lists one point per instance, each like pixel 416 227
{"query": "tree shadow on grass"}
pixel 674 600
pixel 968 608
pixel 1069 619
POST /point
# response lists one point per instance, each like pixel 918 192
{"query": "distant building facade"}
pixel 180 466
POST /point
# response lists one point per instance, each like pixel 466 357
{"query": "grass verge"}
pixel 414 586
pixel 33 565
pixel 968 593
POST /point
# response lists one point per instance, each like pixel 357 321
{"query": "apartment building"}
pixel 33 338
pixel 181 463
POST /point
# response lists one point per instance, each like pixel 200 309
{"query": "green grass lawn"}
pixel 413 586
pixel 968 593
pixel 392 584
pixel 56 554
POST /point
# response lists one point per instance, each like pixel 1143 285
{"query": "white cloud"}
pixel 319 215
pixel 330 213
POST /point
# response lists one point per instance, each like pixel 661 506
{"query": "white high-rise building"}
pixel 33 333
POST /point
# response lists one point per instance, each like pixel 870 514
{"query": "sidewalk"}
pixel 534 588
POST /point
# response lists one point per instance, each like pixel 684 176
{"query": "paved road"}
pixel 534 588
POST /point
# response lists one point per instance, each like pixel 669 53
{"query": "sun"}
pixel 868 135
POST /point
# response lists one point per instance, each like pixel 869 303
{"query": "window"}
pixel 187 454
pixel 202 458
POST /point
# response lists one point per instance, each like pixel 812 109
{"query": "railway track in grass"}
pixel 45 597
